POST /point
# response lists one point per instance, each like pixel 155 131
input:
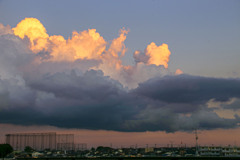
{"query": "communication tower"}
pixel 196 137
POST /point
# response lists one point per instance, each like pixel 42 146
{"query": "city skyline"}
pixel 148 71
pixel 132 140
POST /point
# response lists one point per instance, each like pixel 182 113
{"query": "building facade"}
pixel 229 151
pixel 41 141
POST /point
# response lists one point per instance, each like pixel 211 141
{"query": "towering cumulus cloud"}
pixel 157 55
pixel 34 30
pixel 81 82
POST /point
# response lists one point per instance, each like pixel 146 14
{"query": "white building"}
pixel 230 151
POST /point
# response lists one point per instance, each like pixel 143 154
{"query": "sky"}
pixel 156 70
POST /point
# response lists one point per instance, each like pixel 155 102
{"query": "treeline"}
pixel 5 149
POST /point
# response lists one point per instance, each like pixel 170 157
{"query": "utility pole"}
pixel 196 137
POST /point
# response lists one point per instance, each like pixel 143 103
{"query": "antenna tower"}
pixel 196 137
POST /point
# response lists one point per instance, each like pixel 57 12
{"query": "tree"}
pixel 5 149
pixel 28 149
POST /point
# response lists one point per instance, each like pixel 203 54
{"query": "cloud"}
pixel 94 101
pixel 70 84
pixel 91 85
pixel 14 56
pixel 90 45
pixel 189 89
pixel 169 121
pixel 5 30
pixel 153 54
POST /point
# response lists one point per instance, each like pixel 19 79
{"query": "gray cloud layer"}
pixel 74 96
pixel 189 89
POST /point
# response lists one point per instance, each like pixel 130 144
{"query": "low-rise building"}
pixel 230 151
pixel 219 151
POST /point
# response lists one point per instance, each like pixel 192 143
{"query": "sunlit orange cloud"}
pixel 35 31
pixel 88 44
pixel 178 71
pixel 83 45
pixel 111 58
pixel 117 44
pixel 158 55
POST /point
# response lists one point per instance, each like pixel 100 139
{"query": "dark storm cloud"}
pixel 91 85
pixel 72 96
pixel 94 101
pixel 168 121
pixel 189 89
pixel 234 105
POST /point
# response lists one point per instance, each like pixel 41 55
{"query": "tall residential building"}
pixel 41 141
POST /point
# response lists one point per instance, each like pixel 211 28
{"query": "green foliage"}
pixel 28 149
pixel 104 149
pixel 93 149
pixel 5 149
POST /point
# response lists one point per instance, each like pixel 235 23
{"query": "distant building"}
pixel 219 151
pixel 41 141
pixel 80 147
pixel 230 151
pixel 149 149
pixel 210 151
pixel 65 142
